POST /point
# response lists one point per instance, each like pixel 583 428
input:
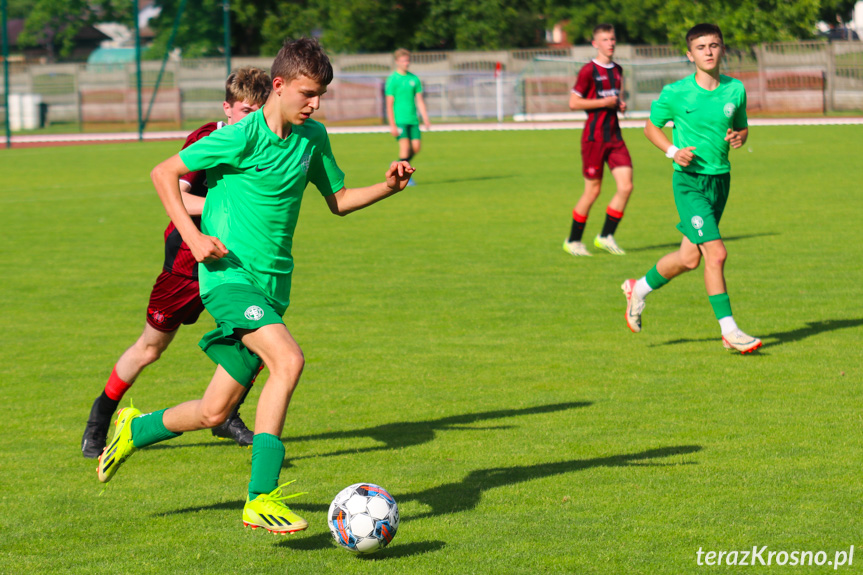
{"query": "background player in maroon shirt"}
pixel 599 92
pixel 175 299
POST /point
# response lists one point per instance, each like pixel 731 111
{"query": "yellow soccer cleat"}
pixel 121 446
pixel 268 511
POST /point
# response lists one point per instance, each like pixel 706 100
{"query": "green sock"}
pixel 654 279
pixel 268 453
pixel 721 304
pixel 149 429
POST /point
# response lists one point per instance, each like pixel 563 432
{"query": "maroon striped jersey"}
pixel 597 81
pixel 178 257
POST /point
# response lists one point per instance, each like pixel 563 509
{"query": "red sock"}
pixel 116 387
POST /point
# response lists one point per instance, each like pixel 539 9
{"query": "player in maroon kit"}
pixel 599 92
pixel 175 299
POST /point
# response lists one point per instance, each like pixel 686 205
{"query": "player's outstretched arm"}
pixel 349 200
pixel 166 179
pixel 658 138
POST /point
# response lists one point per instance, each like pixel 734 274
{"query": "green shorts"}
pixel 700 201
pixel 410 131
pixel 236 306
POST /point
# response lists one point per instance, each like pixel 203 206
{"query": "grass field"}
pixel 458 357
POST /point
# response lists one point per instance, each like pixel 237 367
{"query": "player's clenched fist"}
pixel 684 156
pixel 207 249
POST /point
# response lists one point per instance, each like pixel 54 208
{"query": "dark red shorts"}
pixel 174 301
pixel 595 154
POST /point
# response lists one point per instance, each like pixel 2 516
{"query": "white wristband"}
pixel 672 149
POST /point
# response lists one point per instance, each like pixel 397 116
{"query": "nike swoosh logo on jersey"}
pixel 260 169
pixel 690 111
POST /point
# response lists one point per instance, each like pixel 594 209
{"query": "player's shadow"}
pixel 466 494
pixel 433 183
pixel 813 328
pixel 398 435
pixel 308 508
pixel 726 240
pixel 396 551
pixel 790 336
pixel 404 434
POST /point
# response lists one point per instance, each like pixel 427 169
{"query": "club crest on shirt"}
pixel 306 161
pixel 697 222
pixel 254 313
pixel 729 109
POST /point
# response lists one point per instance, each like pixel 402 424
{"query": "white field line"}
pixel 478 127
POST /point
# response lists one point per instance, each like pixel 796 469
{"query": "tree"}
pixel 17 8
pixel 54 24
pixel 199 32
pixel 635 22
pixel 481 25
pixel 290 20
pixel 836 11
pixel 744 23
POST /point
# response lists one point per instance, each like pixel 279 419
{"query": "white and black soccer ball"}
pixel 363 518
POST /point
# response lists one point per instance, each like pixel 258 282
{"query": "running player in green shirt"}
pixel 257 170
pixel 404 97
pixel 709 115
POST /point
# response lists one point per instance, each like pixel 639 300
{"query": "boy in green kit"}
pixel 404 98
pixel 257 170
pixel 709 115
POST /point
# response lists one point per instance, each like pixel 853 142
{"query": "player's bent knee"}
pixel 691 263
pixel 715 262
pixel 288 365
pixel 150 354
pixel 591 193
pixel 716 258
pixel 214 419
pixel 214 411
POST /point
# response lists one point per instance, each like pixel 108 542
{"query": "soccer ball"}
pixel 363 518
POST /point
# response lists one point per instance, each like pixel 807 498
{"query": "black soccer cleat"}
pixel 96 432
pixel 235 429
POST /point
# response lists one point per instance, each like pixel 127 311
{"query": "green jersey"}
pixel 256 182
pixel 701 119
pixel 404 89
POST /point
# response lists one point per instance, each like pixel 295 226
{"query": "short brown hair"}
pixel 603 28
pixel 700 30
pixel 303 57
pixel 401 52
pixel 248 84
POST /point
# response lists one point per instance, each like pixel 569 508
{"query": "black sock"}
pixel 104 407
pixel 577 230
pixel 610 225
